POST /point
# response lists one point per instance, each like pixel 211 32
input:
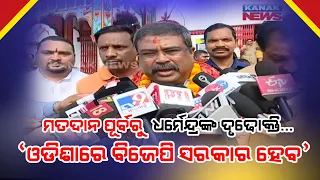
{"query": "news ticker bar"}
pixel 114 128
pixel 165 152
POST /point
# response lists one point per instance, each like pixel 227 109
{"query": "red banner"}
pixel 307 11
pixel 11 12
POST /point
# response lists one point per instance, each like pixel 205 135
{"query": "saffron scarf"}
pixel 146 81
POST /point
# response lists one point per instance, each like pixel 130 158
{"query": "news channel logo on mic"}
pixel 223 84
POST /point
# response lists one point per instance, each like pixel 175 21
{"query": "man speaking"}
pixel 166 56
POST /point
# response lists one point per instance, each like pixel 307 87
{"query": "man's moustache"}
pixel 218 49
pixel 157 68
pixel 112 61
pixel 55 63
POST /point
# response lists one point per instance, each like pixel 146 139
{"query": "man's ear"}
pixel 192 51
pixel 36 58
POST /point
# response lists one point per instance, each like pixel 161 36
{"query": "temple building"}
pixel 78 20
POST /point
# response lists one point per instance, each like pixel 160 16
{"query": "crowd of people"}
pixel 160 52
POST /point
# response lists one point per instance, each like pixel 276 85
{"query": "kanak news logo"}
pixel 273 82
pixel 133 101
pixel 262 12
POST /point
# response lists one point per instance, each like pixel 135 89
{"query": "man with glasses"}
pixel 166 56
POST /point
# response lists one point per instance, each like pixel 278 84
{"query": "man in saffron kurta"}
pixel 166 56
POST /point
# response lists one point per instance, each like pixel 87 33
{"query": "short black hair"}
pixel 113 28
pixel 266 29
pixel 163 28
pixel 127 19
pixel 55 38
pixel 198 52
pixel 219 26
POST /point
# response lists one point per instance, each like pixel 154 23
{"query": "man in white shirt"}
pixel 237 52
pixel 53 84
pixel 55 79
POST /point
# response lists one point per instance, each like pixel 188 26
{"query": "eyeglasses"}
pixel 169 53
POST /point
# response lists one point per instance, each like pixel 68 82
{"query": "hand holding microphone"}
pixel 60 105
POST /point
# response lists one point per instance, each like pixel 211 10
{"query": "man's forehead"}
pixel 222 32
pixel 279 45
pixel 115 37
pixel 54 45
pixel 163 40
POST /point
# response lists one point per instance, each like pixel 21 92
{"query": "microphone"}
pixel 135 103
pixel 216 106
pixel 266 68
pixel 276 87
pixel 170 97
pixel 124 85
pixel 207 97
pixel 90 110
pixel 197 106
pixel 243 78
pixel 227 70
pixel 203 79
pixel 138 103
pixel 245 106
pixel 73 110
pixel 224 83
pixel 101 111
pixel 252 91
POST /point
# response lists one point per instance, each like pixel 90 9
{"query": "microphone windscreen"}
pixel 252 91
pixel 124 79
pixel 169 113
pixel 245 106
pixel 266 68
pixel 208 96
pixel 63 114
pixel 202 79
pixel 101 90
pixel 227 70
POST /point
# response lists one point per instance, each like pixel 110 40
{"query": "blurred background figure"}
pixel 201 55
pixel 237 52
pixel 36 34
pixel 125 18
pixel 249 52
pixel 259 53
pixel 276 46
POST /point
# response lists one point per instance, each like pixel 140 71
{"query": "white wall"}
pixel 199 14
pixel 77 47
pixel 100 63
pixel 34 36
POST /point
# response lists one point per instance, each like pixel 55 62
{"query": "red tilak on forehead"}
pixel 156 40
pixel 56 50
